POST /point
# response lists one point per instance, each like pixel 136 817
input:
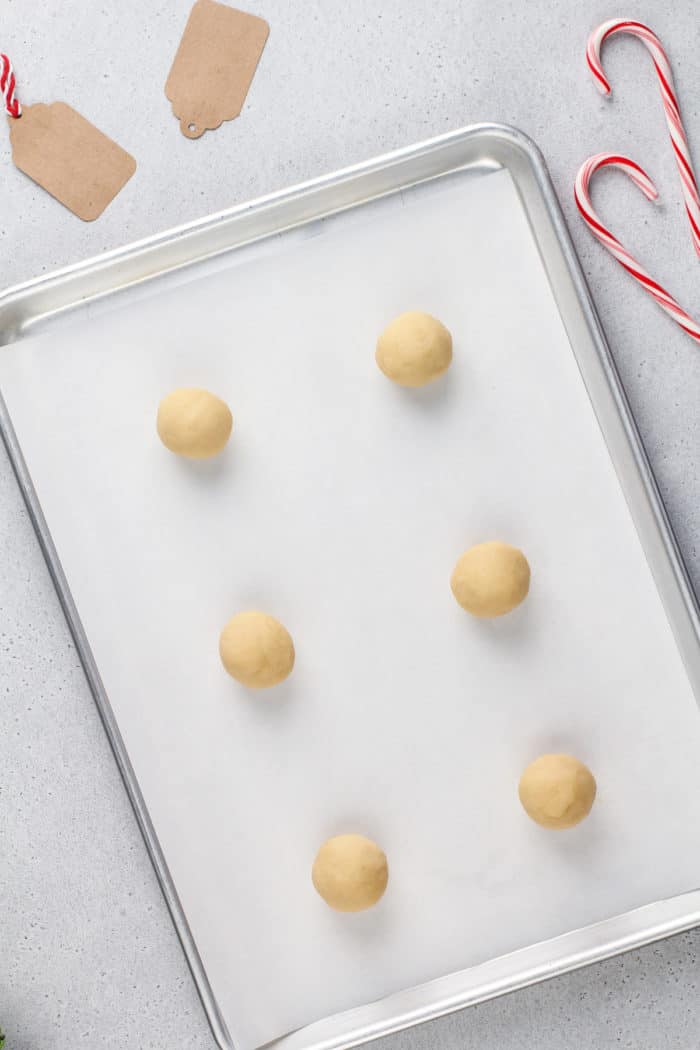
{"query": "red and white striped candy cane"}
pixel 671 106
pixel 606 238
pixel 7 87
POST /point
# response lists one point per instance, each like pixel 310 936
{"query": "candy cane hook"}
pixel 672 111
pixel 617 250
pixel 7 87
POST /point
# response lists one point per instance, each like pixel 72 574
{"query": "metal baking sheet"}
pixel 284 291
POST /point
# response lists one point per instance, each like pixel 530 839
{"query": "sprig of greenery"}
pixel 2 1039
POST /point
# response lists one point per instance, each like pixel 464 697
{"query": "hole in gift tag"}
pixel 192 129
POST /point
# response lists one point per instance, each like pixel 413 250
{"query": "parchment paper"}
pixel 340 507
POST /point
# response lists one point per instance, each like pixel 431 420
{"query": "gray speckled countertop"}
pixel 88 956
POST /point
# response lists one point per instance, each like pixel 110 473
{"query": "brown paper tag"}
pixel 214 66
pixel 71 158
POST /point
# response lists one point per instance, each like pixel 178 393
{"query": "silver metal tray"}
pixel 25 308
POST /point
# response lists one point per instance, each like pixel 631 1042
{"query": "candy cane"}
pixel 7 87
pixel 606 238
pixel 671 107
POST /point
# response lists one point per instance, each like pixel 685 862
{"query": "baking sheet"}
pixel 341 506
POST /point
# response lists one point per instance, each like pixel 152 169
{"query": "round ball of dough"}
pixel 350 872
pixel 256 649
pixel 414 349
pixel 557 791
pixel 194 423
pixel 490 579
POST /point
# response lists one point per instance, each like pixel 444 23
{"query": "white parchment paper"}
pixel 340 507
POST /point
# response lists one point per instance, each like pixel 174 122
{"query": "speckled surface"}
pixel 87 952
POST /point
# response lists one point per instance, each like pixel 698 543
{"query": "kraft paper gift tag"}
pixel 69 157
pixel 214 66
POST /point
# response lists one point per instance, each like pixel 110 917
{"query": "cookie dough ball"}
pixel 256 649
pixel 414 349
pixel 490 579
pixel 194 423
pixel 350 872
pixel 557 791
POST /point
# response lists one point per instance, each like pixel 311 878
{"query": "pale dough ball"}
pixel 256 649
pixel 557 791
pixel 194 423
pixel 414 349
pixel 350 872
pixel 490 579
